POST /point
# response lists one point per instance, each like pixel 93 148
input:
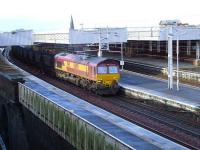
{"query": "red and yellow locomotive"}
pixel 97 74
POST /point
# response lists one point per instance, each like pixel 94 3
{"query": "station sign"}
pixel 121 62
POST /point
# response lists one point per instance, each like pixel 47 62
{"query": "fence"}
pixel 186 75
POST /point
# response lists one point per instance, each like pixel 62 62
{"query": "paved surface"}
pixel 162 63
pixel 127 132
pixel 186 95
pixel 159 62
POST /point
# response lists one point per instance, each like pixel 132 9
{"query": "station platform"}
pixel 161 63
pixel 146 87
pixel 133 136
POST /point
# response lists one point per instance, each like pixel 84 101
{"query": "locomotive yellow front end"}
pixel 107 78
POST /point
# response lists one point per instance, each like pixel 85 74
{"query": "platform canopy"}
pixel 181 32
pixel 18 37
pixel 106 35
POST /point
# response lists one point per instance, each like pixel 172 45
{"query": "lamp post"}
pixel 177 63
pixel 122 56
pixel 99 51
pixel 177 57
pixel 170 59
pixel 107 38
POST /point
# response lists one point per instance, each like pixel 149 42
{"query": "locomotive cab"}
pixel 107 74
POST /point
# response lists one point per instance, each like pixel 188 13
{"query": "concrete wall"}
pixel 19 128
pixel 11 127
pixel 40 136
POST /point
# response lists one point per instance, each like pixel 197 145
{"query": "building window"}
pixel 59 64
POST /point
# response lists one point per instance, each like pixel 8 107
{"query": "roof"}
pixel 82 59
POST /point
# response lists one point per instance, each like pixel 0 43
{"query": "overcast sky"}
pixel 54 15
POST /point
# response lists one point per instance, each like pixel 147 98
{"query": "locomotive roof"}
pixel 81 58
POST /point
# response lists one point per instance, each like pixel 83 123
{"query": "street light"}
pixel 170 59
pixel 99 51
pixel 104 38
pixel 177 63
pixel 122 56
pixel 177 56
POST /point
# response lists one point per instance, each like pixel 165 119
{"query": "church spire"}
pixel 71 23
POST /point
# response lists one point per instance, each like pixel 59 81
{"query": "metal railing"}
pixel 134 33
pixel 62 38
pixel 190 76
pixel 143 33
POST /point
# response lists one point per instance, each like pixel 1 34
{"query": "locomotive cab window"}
pixel 59 64
pixel 102 70
pixel 113 69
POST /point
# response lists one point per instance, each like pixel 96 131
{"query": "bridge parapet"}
pixel 73 128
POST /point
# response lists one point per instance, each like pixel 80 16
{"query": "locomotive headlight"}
pixel 100 81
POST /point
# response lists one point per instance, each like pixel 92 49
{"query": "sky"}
pixel 54 15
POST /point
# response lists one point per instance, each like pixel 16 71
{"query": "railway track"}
pixel 163 122
pixel 156 120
